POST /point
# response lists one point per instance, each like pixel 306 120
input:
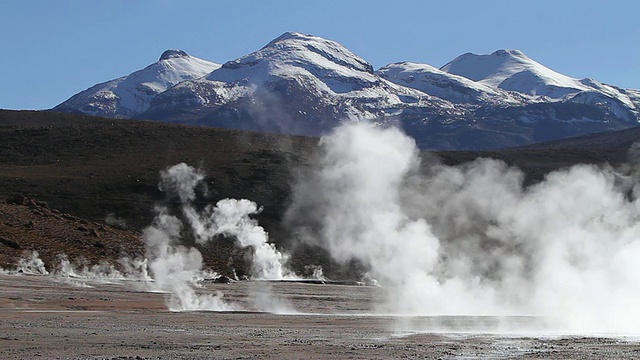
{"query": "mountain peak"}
pixel 512 70
pixel 172 54
pixel 485 67
pixel 130 95
pixel 296 53
pixel 292 35
pixel 508 52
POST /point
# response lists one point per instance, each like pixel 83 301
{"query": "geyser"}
pixel 472 240
pixel 176 267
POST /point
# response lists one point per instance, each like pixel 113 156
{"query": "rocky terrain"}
pixel 28 225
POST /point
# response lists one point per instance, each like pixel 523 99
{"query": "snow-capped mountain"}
pixel 297 83
pixel 454 88
pixel 130 95
pixel 304 84
pixel 514 71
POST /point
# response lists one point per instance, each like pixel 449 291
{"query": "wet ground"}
pixel 57 318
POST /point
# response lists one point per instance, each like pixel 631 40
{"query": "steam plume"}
pixel 471 240
pixel 30 263
pixel 175 267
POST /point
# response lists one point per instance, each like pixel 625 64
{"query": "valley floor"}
pixel 61 318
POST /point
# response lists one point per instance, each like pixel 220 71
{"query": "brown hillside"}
pixel 32 226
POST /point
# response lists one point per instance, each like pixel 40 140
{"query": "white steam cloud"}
pixel 176 267
pixel 30 264
pixel 78 274
pixel 472 240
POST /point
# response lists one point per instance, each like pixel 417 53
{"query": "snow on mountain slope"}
pixel 436 82
pixel 514 71
pixel 610 105
pixel 131 95
pixel 622 95
pixel 295 76
pixel 296 54
pixel 323 67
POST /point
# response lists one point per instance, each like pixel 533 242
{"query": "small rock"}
pixel 37 212
pixel 69 217
pixel 222 280
pixel 10 243
pixel 17 199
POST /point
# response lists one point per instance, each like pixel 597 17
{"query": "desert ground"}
pixel 52 317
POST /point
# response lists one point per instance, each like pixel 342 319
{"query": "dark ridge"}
pixel 170 54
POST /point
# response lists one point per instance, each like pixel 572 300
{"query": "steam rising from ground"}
pixel 175 267
pixel 132 269
pixel 79 273
pixel 471 240
pixel 29 264
pixel 467 240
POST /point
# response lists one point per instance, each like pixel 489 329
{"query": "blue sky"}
pixel 56 48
